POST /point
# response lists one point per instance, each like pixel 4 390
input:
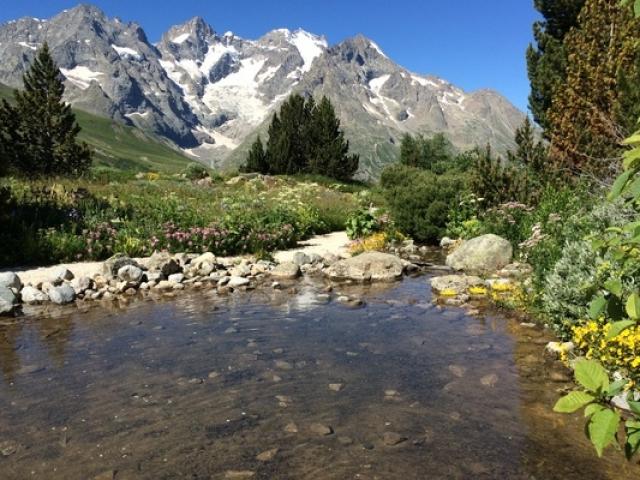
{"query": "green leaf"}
pixel 633 139
pixel 592 376
pixel 602 429
pixel 614 286
pixel 592 408
pixel 632 445
pixel 633 306
pixel 630 156
pixel 635 407
pixel 620 183
pixel 572 402
pixel 618 327
pixel 616 387
pixel 597 306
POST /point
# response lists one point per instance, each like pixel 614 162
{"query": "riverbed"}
pixel 270 384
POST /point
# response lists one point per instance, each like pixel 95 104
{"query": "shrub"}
pixel 196 171
pixel 419 201
pixel 361 223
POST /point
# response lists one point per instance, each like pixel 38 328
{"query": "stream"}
pixel 273 384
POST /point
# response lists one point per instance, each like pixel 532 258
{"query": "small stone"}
pixel 33 296
pixel 489 380
pixel 283 365
pixel 276 285
pixel 130 274
pixel 286 270
pixel 278 351
pixel 457 370
pixel 239 474
pixel 559 376
pixel 106 475
pixel 10 280
pixel 391 393
pixel 8 448
pixel 60 275
pixel 321 429
pixel 336 387
pixel 291 428
pixel 236 282
pixel 392 438
pixel 231 330
pixel 164 285
pixel 179 286
pixel 213 375
pixel 345 441
pixel 62 295
pixel 176 278
pixel 267 455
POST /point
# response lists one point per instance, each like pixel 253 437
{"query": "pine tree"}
pixel 547 60
pixel 43 140
pixel 585 116
pixel 530 152
pixel 328 149
pixel 409 151
pixel 257 159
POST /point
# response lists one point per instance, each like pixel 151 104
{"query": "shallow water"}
pixel 198 385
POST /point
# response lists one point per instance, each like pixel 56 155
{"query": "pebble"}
pixel 336 387
pixel 8 448
pixel 239 474
pixel 283 365
pixel 393 438
pixel 489 380
pixel 457 370
pixel 291 428
pixel 321 429
pixel 267 455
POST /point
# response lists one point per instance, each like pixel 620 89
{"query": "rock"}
pixel 329 259
pixel 62 274
pixel 162 263
pixel 283 365
pixel 10 280
pixel 291 428
pixel 336 387
pixel 457 370
pixel 176 278
pixel 320 429
pixel 62 295
pixel 556 349
pixel 516 270
pixel 286 270
pixel 481 255
pixel 7 447
pixel 446 242
pixel 276 285
pixel 106 475
pixel 239 474
pixel 8 301
pixel 241 270
pixel 112 265
pixel 82 284
pixel 33 296
pixel 267 455
pixel 369 266
pixel 164 285
pixel 154 276
pixel 235 282
pixel 452 285
pixel 489 380
pixel 301 258
pixel 393 438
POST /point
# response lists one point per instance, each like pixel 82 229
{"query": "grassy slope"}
pixel 122 147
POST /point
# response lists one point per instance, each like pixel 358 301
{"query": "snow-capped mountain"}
pixel 209 93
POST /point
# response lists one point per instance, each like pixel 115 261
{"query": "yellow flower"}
pixel 477 290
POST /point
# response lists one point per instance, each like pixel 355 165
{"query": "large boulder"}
pixel 111 266
pixel 8 301
pixel 369 266
pixel 10 280
pixel 481 255
pixel 130 274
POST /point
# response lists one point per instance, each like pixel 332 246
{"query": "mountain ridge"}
pixel 210 93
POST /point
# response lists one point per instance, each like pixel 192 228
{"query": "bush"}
pixel 361 224
pixel 196 171
pixel 419 201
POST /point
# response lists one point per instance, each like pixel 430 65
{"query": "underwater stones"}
pixel 321 429
pixel 393 438
pixel 489 380
pixel 291 428
pixel 267 455
pixel 336 387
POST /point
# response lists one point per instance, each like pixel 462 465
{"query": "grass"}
pixel 120 147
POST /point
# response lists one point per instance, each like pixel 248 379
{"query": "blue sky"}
pixel 473 44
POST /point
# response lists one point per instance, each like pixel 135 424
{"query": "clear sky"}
pixel 473 44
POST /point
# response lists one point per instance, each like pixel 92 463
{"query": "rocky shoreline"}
pixel 122 276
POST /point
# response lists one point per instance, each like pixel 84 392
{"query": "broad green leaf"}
pixel 630 156
pixel 633 306
pixel 592 408
pixel 620 183
pixel 633 139
pixel 616 387
pixel 614 286
pixel 602 429
pixel 618 327
pixel 632 445
pixel 635 407
pixel 597 306
pixel 592 376
pixel 572 402
pixel 634 188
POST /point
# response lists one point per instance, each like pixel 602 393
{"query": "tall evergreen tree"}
pixel 435 153
pixel 44 129
pixel 410 151
pixel 530 152
pixel 257 159
pixel 328 149
pixel 585 117
pixel 547 60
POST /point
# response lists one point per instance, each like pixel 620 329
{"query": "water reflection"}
pixel 278 384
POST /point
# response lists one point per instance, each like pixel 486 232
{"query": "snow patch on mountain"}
pixel 127 52
pixel 310 47
pixel 180 39
pixel 81 76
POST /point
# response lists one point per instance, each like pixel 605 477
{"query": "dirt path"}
pixel 336 243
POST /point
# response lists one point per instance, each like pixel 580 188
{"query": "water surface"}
pixel 198 385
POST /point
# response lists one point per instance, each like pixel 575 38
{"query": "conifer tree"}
pixel 530 152
pixel 257 159
pixel 409 151
pixel 328 149
pixel 44 128
pixel 547 60
pixel 585 117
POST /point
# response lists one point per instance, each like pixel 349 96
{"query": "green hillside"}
pixel 122 147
